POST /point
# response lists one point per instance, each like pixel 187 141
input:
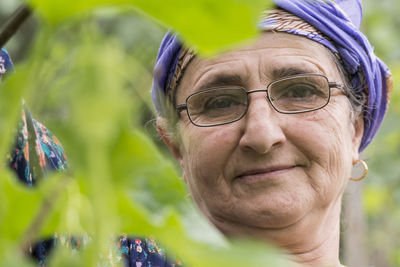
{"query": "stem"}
pixel 14 23
pixel 46 207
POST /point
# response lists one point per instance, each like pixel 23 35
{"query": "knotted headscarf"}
pixel 336 27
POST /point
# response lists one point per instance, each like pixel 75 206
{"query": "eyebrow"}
pixel 221 79
pixel 289 71
pixel 235 79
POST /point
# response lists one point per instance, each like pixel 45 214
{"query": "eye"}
pixel 299 91
pixel 217 103
pixel 221 102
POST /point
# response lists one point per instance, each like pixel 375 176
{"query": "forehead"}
pixel 270 56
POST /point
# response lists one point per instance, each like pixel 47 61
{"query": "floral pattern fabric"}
pixel 6 64
pixel 37 152
pixel 142 252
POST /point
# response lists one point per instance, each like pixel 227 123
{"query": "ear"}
pixel 171 143
pixel 358 126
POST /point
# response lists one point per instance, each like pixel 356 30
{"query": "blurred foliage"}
pixel 382 186
pixel 205 15
pixel 87 77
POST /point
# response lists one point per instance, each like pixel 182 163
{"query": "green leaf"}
pixel 139 168
pixel 206 24
pixel 26 211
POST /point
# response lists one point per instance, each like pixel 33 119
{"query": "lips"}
pixel 268 172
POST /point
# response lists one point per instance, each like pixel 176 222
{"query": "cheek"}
pixel 325 139
pixel 206 152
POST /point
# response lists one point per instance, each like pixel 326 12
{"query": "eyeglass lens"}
pixel 299 93
pixel 229 103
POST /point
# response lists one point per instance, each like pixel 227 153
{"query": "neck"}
pixel 312 241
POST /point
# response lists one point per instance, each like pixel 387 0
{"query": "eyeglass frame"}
pixel 179 108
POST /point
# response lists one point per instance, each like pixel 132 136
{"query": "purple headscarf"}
pixel 368 73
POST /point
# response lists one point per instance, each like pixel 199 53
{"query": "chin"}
pixel 269 213
pixel 274 218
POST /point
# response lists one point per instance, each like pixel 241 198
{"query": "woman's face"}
pixel 267 170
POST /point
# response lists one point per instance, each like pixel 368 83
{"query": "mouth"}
pixel 266 173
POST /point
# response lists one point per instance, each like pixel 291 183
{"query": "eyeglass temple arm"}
pixel 337 85
pixel 181 107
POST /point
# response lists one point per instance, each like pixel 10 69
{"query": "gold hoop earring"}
pixel 365 167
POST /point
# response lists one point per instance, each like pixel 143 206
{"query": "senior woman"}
pixel 267 135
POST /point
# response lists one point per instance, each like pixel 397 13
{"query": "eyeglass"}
pixel 289 95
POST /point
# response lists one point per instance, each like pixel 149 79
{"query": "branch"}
pixel 14 23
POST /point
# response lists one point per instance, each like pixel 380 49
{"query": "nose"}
pixel 262 129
